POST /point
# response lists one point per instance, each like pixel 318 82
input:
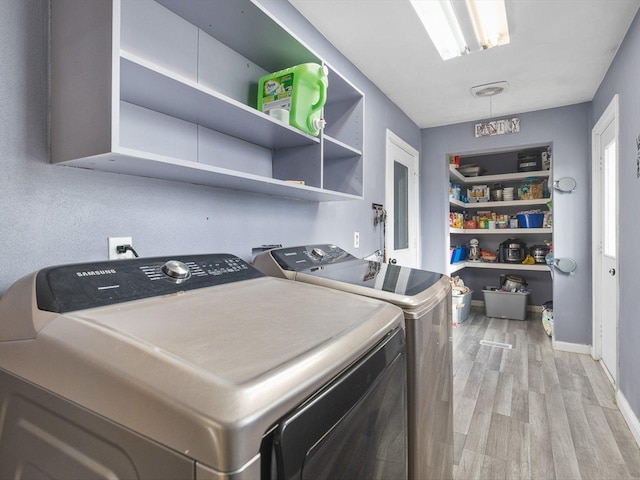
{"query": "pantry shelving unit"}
pixel 167 89
pixel 503 233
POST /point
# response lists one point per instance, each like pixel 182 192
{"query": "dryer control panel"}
pixel 309 256
pixel 68 288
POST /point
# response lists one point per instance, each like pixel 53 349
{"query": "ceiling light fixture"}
pixel 441 23
pixel 489 19
pixel 489 89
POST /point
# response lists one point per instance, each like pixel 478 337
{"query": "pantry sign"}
pixel 497 127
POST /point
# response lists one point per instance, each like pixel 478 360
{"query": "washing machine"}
pixel 197 367
pixel 425 298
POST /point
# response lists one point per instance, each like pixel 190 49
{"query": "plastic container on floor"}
pixel 512 305
pixel 461 306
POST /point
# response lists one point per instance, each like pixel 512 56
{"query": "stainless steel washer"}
pixel 197 367
pixel 425 298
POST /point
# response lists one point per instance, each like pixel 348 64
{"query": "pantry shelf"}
pixel 500 231
pixel 457 177
pixel 454 267
pixel 497 266
pixel 498 204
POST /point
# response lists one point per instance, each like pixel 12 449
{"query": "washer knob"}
pixel 176 270
pixel 318 253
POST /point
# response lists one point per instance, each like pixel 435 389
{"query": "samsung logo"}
pixel 93 273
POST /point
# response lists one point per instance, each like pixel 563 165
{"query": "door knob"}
pixel 393 261
pixel 612 271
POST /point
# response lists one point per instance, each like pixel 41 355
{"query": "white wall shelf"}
pixel 500 231
pixel 158 89
pixel 167 90
pixel 457 177
pixel 458 204
pixel 454 267
pixel 336 149
pixel 144 164
pixel 495 204
pixel 538 267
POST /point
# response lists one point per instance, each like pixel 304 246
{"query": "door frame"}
pixel 393 139
pixel 611 114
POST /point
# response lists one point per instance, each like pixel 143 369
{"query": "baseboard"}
pixel 571 347
pixel 530 308
pixel 629 416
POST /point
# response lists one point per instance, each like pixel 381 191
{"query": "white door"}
pixel 605 233
pixel 402 245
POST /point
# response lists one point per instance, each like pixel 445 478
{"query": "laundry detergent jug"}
pixel 302 90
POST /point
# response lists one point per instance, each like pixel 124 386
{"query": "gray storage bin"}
pixel 461 314
pixel 505 304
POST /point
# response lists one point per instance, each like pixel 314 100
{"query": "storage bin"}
pixel 530 220
pixel 460 314
pixel 505 304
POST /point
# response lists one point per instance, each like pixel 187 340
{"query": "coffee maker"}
pixel 512 250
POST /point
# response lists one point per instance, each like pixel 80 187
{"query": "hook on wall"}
pixel 565 184
pixel 565 265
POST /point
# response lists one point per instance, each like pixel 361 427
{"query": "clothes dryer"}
pixel 425 298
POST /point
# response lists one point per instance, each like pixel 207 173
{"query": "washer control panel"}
pixel 68 288
pixel 309 256
pixel 176 269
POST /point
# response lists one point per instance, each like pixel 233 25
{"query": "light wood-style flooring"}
pixel 531 412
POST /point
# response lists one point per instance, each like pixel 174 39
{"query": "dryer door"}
pixel 355 427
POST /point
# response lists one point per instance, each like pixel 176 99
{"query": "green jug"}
pixel 302 90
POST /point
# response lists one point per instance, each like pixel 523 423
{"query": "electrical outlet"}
pixel 113 244
pixel 356 239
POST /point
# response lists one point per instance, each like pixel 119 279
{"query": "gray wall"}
pixel 567 130
pixel 52 214
pixel 622 78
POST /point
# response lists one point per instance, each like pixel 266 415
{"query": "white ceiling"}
pixel 559 53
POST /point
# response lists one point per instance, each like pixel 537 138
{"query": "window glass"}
pixel 610 194
pixel 400 206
